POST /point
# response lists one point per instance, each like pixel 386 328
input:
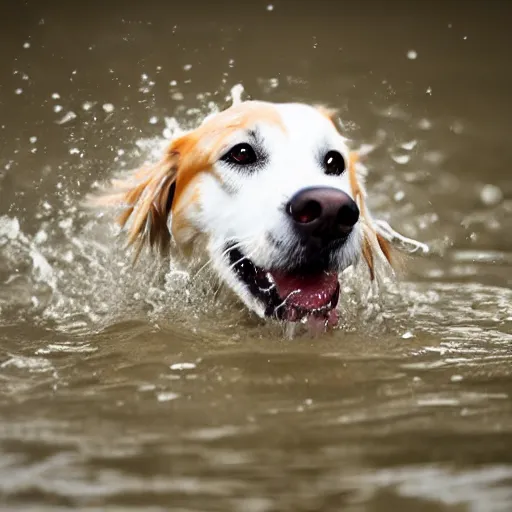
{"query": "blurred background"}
pixel 123 388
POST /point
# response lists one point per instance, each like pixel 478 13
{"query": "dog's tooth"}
pixel 268 275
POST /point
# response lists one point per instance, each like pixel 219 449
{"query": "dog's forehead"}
pixel 302 117
pixel 290 118
pixel 243 116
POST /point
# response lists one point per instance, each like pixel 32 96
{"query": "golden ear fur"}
pixel 145 198
pixel 386 249
pixel 372 240
pixel 368 256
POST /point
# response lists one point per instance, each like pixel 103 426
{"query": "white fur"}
pixel 249 207
pixel 215 205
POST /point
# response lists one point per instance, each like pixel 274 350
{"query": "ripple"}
pixel 483 489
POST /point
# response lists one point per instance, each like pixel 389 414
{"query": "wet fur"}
pixel 150 197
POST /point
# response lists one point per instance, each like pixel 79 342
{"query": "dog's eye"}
pixel 334 163
pixel 241 154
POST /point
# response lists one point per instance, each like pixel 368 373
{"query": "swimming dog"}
pixel 272 195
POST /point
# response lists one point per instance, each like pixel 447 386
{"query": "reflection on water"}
pixel 132 388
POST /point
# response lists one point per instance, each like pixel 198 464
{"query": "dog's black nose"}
pixel 323 213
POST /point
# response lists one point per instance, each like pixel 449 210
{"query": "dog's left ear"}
pixel 372 240
pixel 145 198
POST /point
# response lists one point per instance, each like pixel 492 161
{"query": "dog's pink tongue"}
pixel 307 292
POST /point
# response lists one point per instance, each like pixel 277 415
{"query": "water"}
pixel 126 389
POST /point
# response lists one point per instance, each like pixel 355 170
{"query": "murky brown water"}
pixel 118 391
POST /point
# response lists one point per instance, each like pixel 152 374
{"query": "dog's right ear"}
pixel 145 197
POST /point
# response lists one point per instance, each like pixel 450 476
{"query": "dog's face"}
pixel 271 190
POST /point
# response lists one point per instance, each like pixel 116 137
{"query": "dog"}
pixel 270 196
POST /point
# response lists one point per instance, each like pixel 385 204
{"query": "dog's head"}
pixel 273 192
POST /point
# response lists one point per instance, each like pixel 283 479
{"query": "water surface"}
pixel 126 389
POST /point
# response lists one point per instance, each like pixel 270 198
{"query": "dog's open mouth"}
pixel 290 296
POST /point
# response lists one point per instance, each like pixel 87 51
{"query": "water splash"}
pixel 74 272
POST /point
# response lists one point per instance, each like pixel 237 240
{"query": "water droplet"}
pixel 182 366
pixel 153 120
pixel 409 145
pixel 33 140
pixel 26 45
pixel 187 67
pixel 146 387
pixel 424 124
pixel 19 90
pixel 67 117
pixel 491 195
pixel 166 397
pixel 41 237
pixel 401 159
pixel 270 7
pixel 108 107
pixel 399 195
pixel 412 54
pixel 236 94
pixel 55 96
